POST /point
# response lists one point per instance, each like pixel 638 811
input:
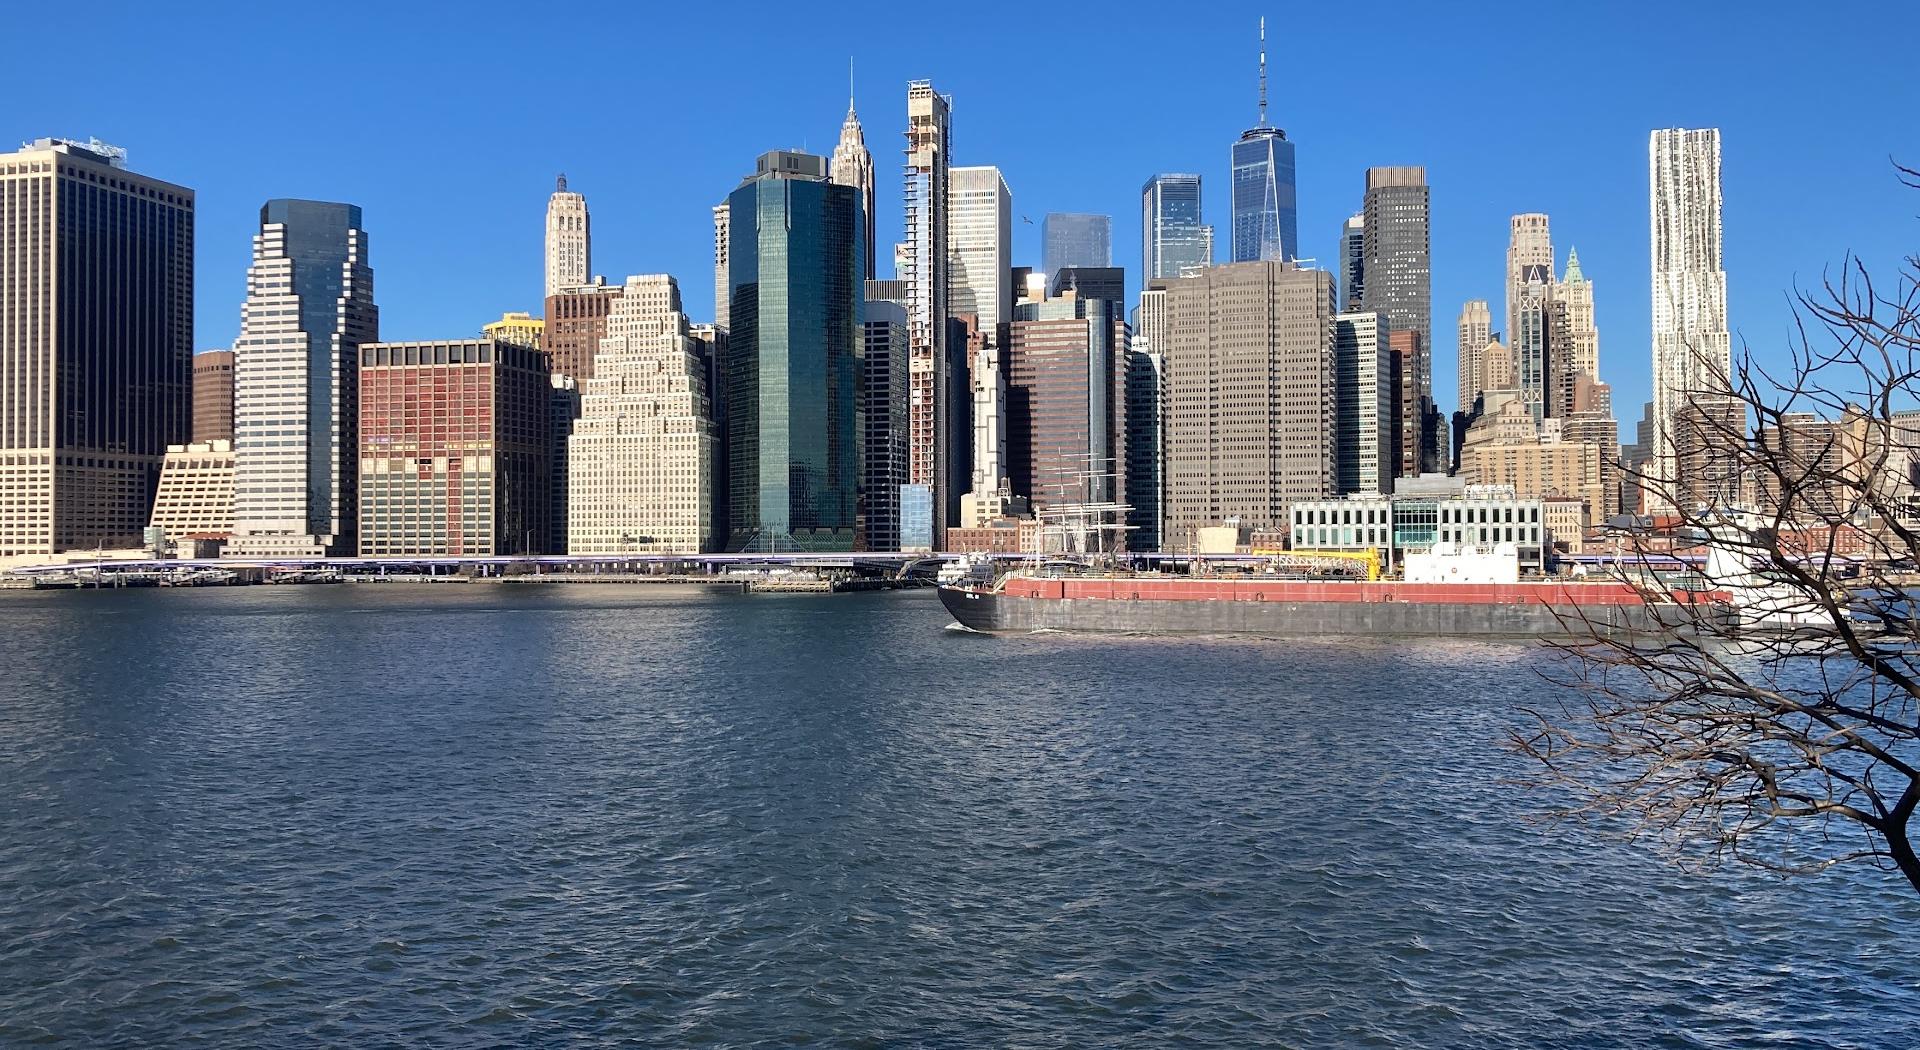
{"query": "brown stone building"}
pixel 1066 405
pixel 1250 397
pixel 576 321
pixel 212 396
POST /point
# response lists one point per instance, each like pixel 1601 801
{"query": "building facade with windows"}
pixel 1175 240
pixel 455 450
pixel 1485 516
pixel 793 358
pixel 641 458
pixel 296 382
pixel 96 344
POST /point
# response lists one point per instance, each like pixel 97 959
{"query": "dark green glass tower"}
pixel 795 287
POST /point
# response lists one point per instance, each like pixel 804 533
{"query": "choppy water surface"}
pixel 486 815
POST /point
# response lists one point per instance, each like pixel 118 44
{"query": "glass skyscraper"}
pixel 796 285
pixel 1265 218
pixel 1174 240
pixel 1076 240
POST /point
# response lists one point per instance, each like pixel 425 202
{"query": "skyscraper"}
pixel 852 166
pixel 296 381
pixel 1250 396
pixel 1529 256
pixel 1363 418
pixel 1074 239
pixel 1533 342
pixel 1174 238
pixel 1265 213
pixel 641 458
pixel 569 239
pixel 1353 262
pixel 1145 389
pixel 793 357
pixel 213 396
pixel 931 489
pixel 1692 350
pixel 1577 293
pixel 1399 268
pixel 575 322
pixel 721 221
pixel 1476 331
pixel 454 450
pixel 980 247
pixel 883 415
pixel 1066 402
pixel 96 344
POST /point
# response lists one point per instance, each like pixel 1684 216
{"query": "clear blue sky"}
pixel 448 124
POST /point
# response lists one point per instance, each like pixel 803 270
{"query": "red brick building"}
pixel 455 450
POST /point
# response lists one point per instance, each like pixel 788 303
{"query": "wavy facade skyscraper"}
pixel 1692 349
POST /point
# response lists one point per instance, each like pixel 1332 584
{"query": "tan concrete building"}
pixel 1534 469
pixel 1250 396
pixel 195 500
pixel 641 458
pixel 1476 331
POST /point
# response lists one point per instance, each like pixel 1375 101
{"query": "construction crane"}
pixel 1368 559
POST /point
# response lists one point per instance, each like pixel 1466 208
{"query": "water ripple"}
pixel 491 816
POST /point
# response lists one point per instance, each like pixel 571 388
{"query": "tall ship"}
pixel 1451 590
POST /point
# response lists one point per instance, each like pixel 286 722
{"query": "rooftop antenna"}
pixel 849 83
pixel 1263 71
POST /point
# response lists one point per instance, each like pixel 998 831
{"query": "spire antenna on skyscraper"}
pixel 1263 71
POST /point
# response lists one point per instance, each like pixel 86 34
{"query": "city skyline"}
pixel 454 249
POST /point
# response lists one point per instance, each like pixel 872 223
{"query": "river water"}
pixel 444 815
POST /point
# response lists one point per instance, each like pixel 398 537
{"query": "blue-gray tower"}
pixel 1265 215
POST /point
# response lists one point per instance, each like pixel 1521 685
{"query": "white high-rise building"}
pixel 641 457
pixel 569 239
pixel 1363 368
pixel 980 247
pixel 1529 248
pixel 1476 331
pixel 1577 293
pixel 1692 349
pixel 296 382
pixel 852 165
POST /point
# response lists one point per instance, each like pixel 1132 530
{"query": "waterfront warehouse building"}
pixel 454 452
pixel 96 344
pixel 641 458
pixel 296 382
pixel 792 357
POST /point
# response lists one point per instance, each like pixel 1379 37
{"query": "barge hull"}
pixel 998 612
